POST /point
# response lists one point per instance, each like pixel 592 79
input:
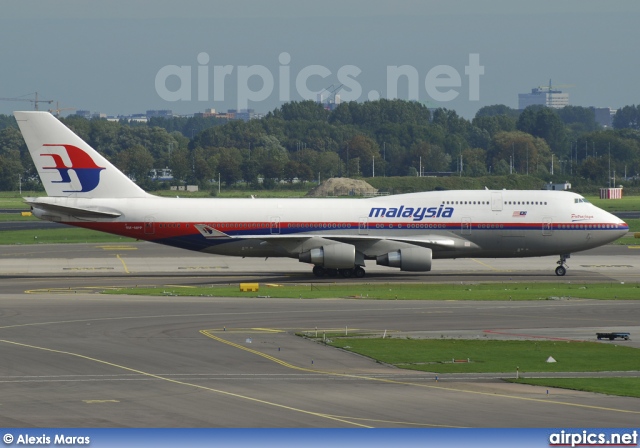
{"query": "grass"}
pixel 409 291
pixel 626 204
pixel 16 217
pixel 625 387
pixel 634 224
pixel 57 236
pixel 438 355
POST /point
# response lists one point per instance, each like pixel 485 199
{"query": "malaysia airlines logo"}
pixel 86 170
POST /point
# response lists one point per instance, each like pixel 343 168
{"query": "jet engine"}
pixel 409 259
pixel 332 256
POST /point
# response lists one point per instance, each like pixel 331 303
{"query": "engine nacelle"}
pixel 332 256
pixel 416 259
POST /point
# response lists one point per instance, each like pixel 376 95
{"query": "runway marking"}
pixel 606 266
pixel 117 247
pixel 194 268
pixel 491 267
pixel 183 383
pixel 100 401
pixel 390 381
pixel 123 264
pixel 102 268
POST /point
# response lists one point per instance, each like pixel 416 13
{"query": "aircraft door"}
pixel 363 226
pixel 547 226
pixel 148 225
pixel 275 225
pixel 496 201
pixel 466 226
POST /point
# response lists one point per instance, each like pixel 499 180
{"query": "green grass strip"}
pixel 409 291
pixel 57 236
pixel 480 356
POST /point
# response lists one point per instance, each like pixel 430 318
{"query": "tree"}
pixel 583 118
pixel 545 123
pixel 180 165
pixel 474 162
pixel 203 167
pixel 328 165
pixel 136 162
pixel 432 156
pixel 272 169
pixel 363 148
pixel 11 168
pixel 230 165
pixel 526 152
pixel 594 169
pixel 498 110
pixel 10 171
pixel 290 170
pixel 627 117
pixel 495 123
pixel 301 110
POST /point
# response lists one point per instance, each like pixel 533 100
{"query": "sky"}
pixel 126 57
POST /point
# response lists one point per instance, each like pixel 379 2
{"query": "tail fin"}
pixel 68 166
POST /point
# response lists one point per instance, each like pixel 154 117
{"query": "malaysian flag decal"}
pixel 519 214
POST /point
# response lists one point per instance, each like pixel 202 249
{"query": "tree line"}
pixel 303 141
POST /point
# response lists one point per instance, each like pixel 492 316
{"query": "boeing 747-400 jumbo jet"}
pixel 336 236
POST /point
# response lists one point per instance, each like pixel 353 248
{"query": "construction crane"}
pixel 58 109
pixel 555 87
pixel 35 101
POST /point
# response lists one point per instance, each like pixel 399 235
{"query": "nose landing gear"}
pixel 562 265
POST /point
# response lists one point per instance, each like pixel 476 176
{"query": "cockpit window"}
pixel 580 200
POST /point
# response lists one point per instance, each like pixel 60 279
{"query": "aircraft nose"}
pixel 621 227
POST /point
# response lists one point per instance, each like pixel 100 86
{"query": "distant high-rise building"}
pixel 84 114
pixel 604 116
pixel 544 96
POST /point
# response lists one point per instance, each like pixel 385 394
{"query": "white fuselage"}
pixel 478 223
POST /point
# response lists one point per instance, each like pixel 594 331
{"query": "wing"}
pixel 370 246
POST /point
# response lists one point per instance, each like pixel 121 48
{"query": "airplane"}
pixel 336 236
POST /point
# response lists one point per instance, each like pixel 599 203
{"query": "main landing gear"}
pixel 357 272
pixel 562 265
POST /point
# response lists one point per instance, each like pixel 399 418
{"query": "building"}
pixel 543 96
pixel 166 113
pixel 84 114
pixel 604 116
pixel 561 187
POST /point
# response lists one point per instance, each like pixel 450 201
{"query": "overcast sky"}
pixel 124 57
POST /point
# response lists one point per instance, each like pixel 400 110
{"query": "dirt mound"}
pixel 342 186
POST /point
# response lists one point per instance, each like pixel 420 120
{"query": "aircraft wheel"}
pixel 560 271
pixel 359 272
pixel 318 271
pixel 332 272
pixel 346 273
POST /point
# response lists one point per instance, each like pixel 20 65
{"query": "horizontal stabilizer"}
pixel 78 212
